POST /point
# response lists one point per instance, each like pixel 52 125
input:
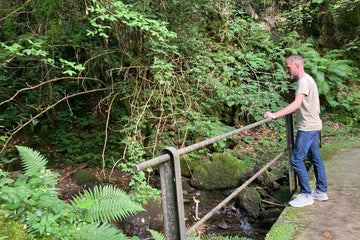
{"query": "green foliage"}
pixel 32 162
pixel 105 203
pixel 10 229
pixel 335 78
pixel 113 83
pixel 156 235
pixel 97 231
pixel 32 198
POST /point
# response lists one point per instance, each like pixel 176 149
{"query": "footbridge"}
pixel 335 219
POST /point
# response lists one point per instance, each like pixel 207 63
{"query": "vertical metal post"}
pixel 290 145
pixel 172 196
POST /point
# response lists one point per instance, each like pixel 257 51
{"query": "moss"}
pixel 210 175
pixel 283 195
pixel 85 178
pixel 10 229
pixel 281 231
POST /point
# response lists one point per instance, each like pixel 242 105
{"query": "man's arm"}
pixel 289 109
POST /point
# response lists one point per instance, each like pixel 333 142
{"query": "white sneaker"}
pixel 302 200
pixel 320 196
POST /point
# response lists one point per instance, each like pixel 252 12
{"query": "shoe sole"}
pixel 321 199
pixel 303 205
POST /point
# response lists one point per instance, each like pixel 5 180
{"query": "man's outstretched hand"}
pixel 269 115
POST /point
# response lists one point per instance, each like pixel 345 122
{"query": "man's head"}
pixel 295 66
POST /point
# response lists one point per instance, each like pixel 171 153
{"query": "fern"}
pixel 32 161
pixel 156 235
pixel 96 231
pixel 33 198
pixel 105 204
pixel 340 68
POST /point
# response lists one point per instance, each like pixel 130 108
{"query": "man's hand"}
pixel 269 115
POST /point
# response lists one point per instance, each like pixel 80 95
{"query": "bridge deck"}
pixel 339 217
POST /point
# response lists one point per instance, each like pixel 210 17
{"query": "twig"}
pixel 106 131
pixel 43 83
pixel 13 12
pixel 81 166
pixel 44 111
pixel 272 203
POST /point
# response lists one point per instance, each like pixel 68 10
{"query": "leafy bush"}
pixel 33 199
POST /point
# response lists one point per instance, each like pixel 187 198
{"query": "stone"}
pixel 249 201
pixel 224 171
pixel 85 179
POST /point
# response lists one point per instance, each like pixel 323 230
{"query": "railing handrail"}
pixel 171 186
pixel 233 194
pixel 163 158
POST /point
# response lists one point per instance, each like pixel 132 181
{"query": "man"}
pixel 307 107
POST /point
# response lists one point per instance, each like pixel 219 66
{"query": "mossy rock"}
pixel 188 163
pixel 224 171
pixel 85 179
pixel 249 200
pixel 283 195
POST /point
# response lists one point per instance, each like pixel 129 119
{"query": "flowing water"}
pixel 228 221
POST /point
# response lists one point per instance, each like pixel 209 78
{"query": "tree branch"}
pixel 43 83
pixel 21 126
pixel 13 12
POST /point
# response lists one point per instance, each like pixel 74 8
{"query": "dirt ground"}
pixel 339 217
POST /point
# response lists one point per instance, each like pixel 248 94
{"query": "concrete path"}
pixel 339 217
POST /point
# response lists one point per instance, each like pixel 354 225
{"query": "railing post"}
pixel 290 145
pixel 172 196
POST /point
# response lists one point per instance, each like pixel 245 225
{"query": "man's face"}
pixel 291 69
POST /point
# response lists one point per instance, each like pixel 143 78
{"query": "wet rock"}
pixel 223 225
pixel 85 179
pixel 268 217
pixel 249 201
pixel 155 211
pixel 224 171
pixel 137 225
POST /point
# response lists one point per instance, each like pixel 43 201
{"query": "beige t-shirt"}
pixel 308 115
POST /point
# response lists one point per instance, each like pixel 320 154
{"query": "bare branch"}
pixel 21 126
pixel 13 12
pixel 106 130
pixel 43 83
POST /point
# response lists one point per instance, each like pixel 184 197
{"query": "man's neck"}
pixel 300 74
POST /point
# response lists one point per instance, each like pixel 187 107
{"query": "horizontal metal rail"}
pixel 171 183
pixel 166 157
pixel 232 195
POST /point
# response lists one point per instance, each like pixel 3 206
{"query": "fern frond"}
pixel 334 54
pixel 323 87
pixel 106 203
pixel 318 75
pixel 32 161
pixel 340 68
pixel 156 235
pixel 96 231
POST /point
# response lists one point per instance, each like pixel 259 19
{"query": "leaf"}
pixel 327 234
pixel 32 161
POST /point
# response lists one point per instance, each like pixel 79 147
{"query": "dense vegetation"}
pixel 111 83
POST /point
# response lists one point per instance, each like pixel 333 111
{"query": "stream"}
pixel 229 220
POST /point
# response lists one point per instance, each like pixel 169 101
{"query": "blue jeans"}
pixel 307 143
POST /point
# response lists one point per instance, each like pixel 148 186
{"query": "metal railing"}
pixel 171 184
